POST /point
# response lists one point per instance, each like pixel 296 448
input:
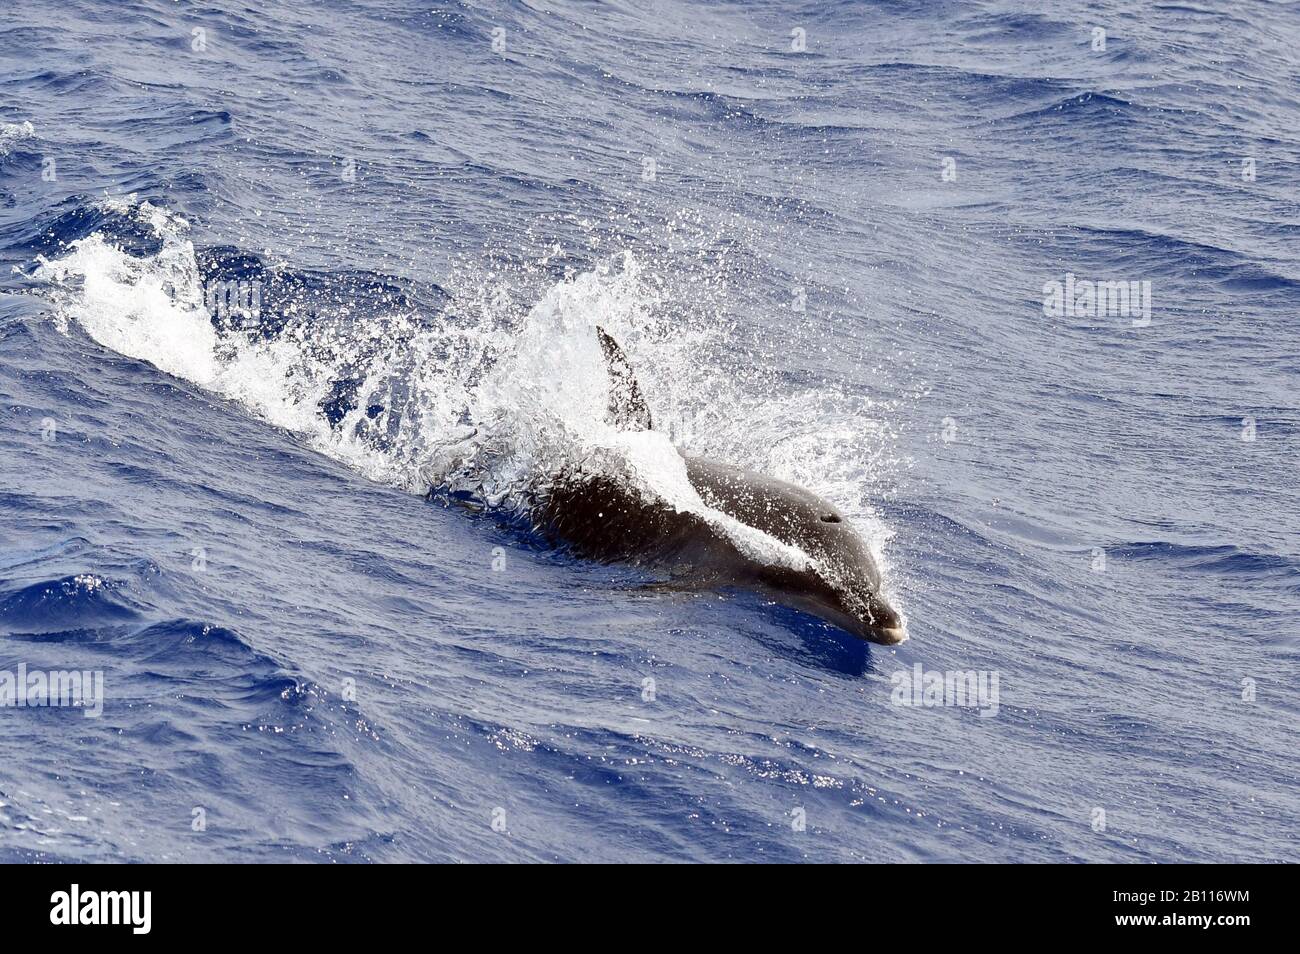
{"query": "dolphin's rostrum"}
pixel 602 517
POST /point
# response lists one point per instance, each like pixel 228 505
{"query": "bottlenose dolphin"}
pixel 604 518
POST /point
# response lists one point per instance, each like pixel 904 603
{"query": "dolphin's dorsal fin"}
pixel 627 408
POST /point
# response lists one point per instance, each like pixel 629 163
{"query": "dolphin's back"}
pixel 602 518
pixel 783 510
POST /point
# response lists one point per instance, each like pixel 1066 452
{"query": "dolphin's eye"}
pixel 830 518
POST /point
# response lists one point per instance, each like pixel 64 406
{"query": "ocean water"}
pixel 296 311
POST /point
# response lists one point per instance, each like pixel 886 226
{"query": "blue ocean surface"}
pixel 297 304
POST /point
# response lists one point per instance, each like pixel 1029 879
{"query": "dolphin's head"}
pixel 841 584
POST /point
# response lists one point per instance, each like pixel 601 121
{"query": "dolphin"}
pixel 604 518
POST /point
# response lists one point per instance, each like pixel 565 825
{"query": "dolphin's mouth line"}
pixel 884 632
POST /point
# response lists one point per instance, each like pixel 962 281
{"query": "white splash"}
pixel 485 402
pixel 11 134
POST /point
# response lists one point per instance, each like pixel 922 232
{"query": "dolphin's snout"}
pixel 891 635
pixel 884 624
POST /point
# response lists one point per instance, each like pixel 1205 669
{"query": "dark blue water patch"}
pixel 73 81
pixel 13 557
pixel 80 217
pixel 73 601
pixel 213 668
pixel 1251 278
pixel 1227 559
pixel 1018 28
pixel 448 22
pixel 191 643
pixel 21 166
pixel 973 86
pixel 210 117
pixel 1088 106
pixel 977 535
pixel 804 639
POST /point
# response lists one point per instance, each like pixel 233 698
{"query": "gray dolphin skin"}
pixel 602 519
